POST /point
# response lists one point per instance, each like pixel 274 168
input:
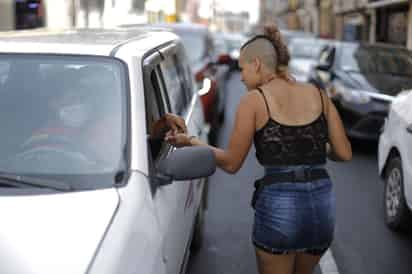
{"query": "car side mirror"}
pixel 186 164
pixel 323 67
pixel 207 85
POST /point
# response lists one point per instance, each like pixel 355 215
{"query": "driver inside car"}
pixel 83 131
pixel 77 129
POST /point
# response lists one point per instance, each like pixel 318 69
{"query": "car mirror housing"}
pixel 186 164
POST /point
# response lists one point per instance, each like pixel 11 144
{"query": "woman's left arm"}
pixel 232 158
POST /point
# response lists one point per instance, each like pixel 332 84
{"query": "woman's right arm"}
pixel 340 148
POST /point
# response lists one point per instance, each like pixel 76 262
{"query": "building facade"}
pixel 26 14
pixel 22 14
pixel 274 11
pixel 291 14
pixel 391 22
pixel 385 21
pixel 352 20
pixel 326 25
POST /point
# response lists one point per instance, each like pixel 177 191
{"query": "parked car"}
pixel 289 35
pixel 85 186
pixel 362 80
pixel 225 51
pixel 235 41
pixel 395 163
pixel 304 54
pixel 204 61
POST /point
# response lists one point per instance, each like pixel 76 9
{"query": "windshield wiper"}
pixel 22 180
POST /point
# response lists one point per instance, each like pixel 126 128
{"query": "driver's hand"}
pixel 175 123
pixel 178 139
pixel 169 122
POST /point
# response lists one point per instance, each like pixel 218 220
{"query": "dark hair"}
pixel 274 35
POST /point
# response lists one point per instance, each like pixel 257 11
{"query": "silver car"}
pixel 85 186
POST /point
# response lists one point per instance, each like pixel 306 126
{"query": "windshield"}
pixel 376 60
pixel 62 117
pixel 194 45
pixel 305 49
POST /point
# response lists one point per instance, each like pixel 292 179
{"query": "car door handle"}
pixel 409 128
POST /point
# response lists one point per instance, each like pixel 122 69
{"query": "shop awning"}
pixel 385 3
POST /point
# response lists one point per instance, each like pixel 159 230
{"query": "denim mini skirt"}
pixel 295 217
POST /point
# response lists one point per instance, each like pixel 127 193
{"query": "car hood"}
pixel 380 83
pixel 55 233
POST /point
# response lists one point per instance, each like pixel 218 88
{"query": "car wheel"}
pixel 397 213
pixel 197 239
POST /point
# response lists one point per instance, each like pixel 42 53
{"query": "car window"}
pixel 195 46
pixel 184 68
pixel 174 81
pixel 55 112
pixel 377 60
pixel 305 49
pixel 156 107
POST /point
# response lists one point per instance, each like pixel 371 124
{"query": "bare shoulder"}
pixel 313 90
pixel 251 98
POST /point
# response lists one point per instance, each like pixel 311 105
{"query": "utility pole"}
pixel 214 13
pixel 73 13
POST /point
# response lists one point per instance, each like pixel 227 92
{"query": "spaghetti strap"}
pixel 266 102
pixel 321 100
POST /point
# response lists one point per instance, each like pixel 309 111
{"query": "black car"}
pixel 362 80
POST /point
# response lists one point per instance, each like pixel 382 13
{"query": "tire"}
pixel 197 240
pixel 397 213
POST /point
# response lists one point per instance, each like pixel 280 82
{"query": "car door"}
pixel 406 145
pixel 168 199
pixel 182 100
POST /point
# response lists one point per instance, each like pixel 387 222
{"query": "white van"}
pixel 84 186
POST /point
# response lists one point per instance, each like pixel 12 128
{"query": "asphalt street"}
pixel 362 244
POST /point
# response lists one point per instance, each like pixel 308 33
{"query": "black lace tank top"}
pixel 281 145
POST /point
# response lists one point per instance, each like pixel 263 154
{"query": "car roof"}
pixel 183 26
pixel 180 28
pixel 80 41
pixel 297 33
pixel 365 44
pixel 312 40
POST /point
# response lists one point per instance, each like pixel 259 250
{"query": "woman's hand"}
pixel 178 139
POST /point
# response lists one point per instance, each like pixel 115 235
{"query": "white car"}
pixel 395 162
pixel 85 185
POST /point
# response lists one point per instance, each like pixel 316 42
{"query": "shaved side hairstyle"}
pixel 262 48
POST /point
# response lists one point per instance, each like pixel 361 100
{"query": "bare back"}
pixel 289 103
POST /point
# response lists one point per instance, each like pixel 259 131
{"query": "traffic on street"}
pixel 173 137
pixel 362 244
